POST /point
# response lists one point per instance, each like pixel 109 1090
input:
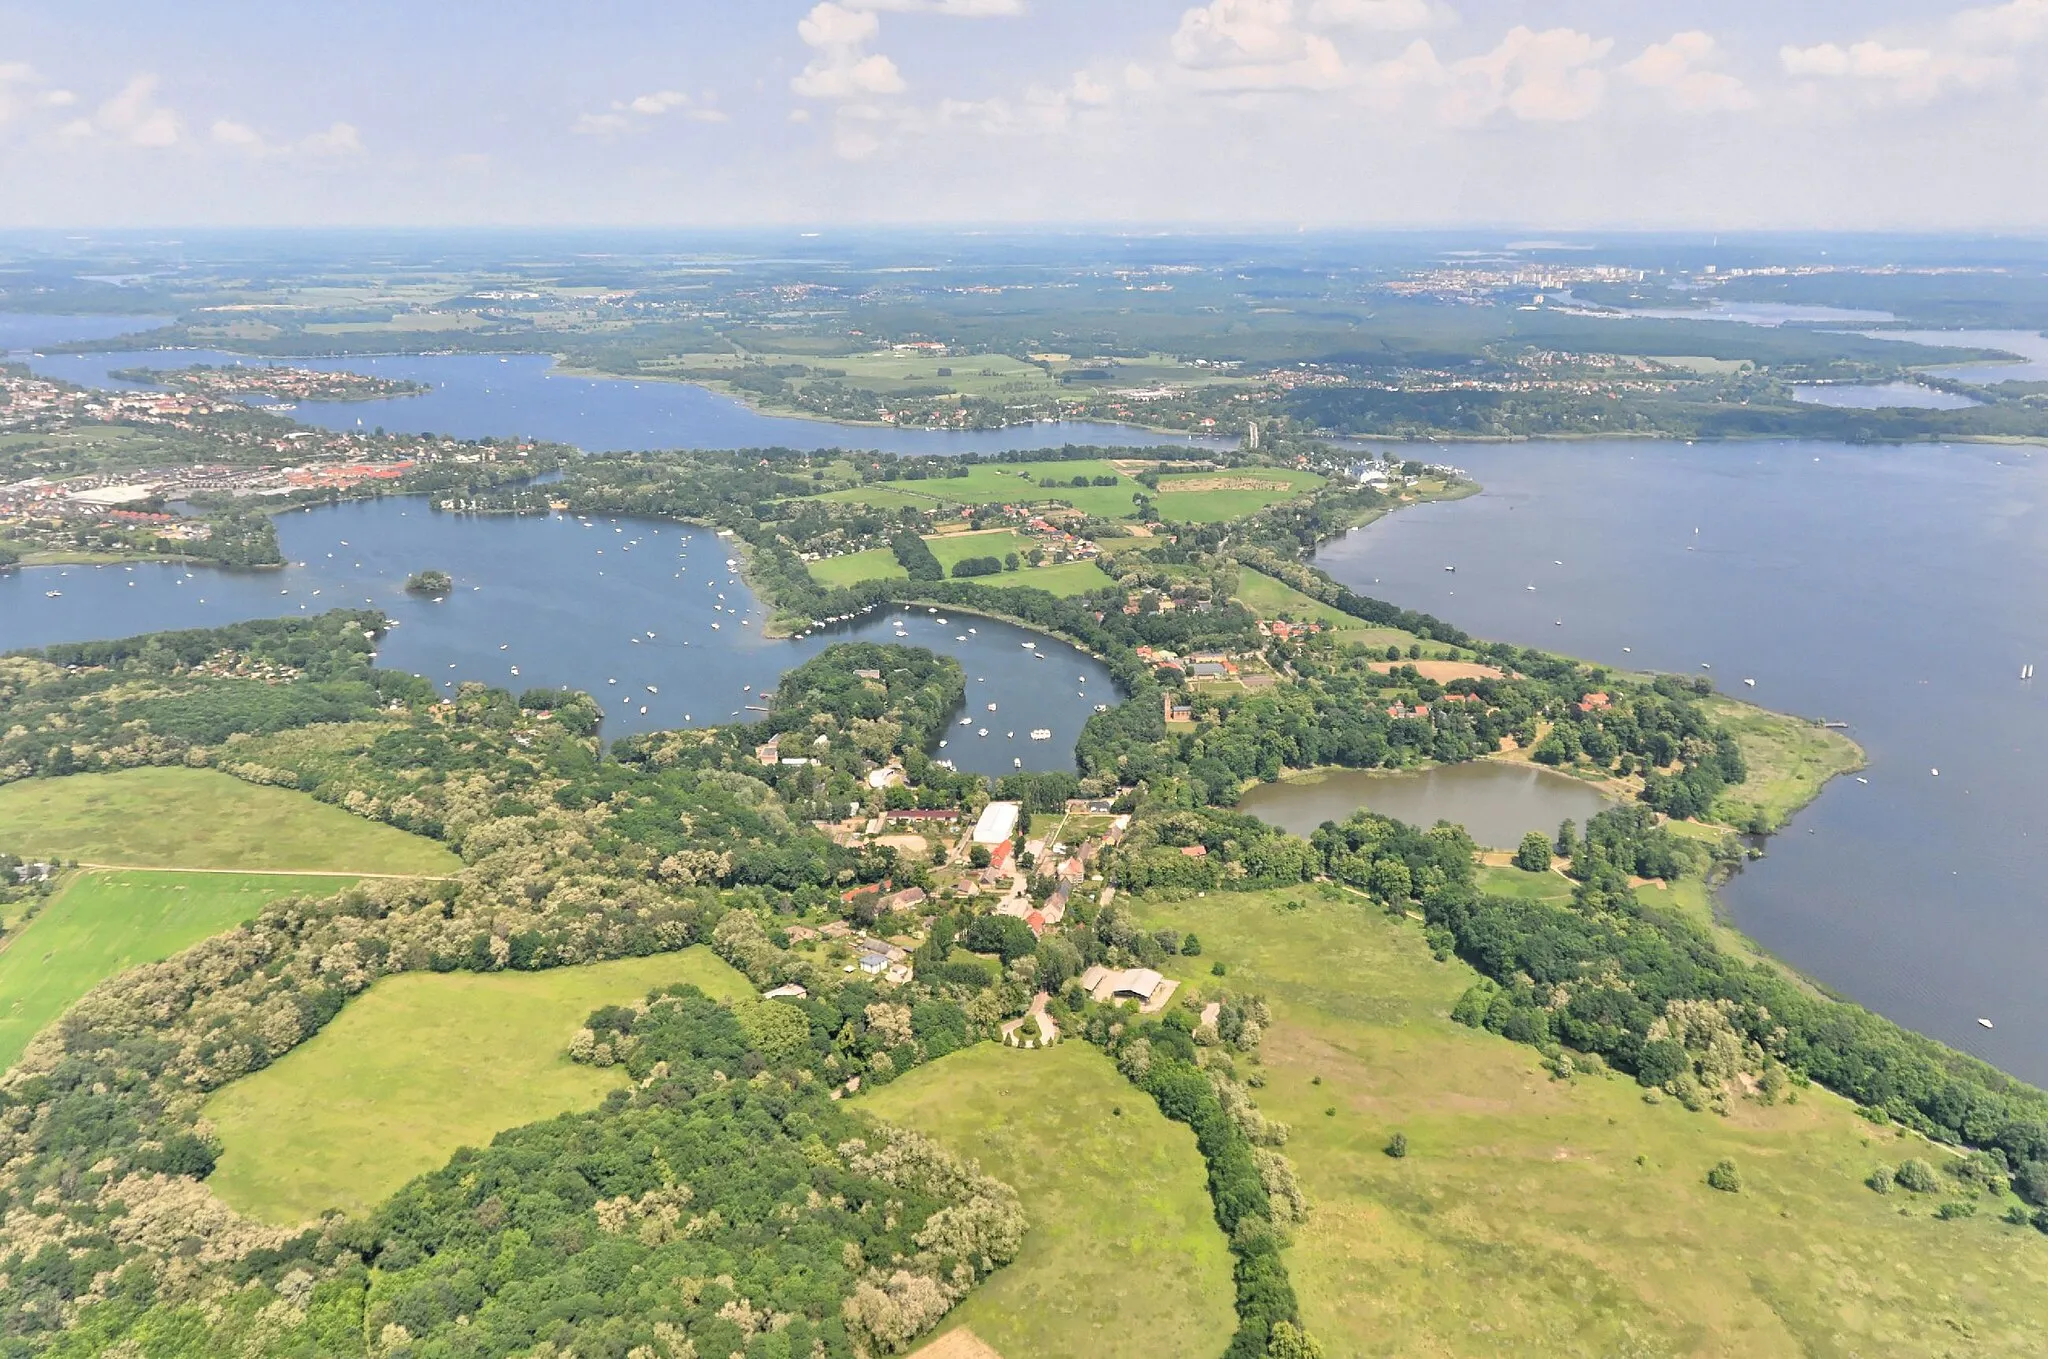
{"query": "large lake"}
pixel 1498 803
pixel 477 396
pixel 1896 589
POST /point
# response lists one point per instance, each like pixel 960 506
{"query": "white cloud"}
pixel 340 139
pixel 1250 45
pixel 2009 25
pixel 133 116
pixel 841 67
pixel 1548 76
pixel 1682 68
pixel 964 9
pixel 1380 16
pixel 1907 74
pixel 228 132
pixel 627 114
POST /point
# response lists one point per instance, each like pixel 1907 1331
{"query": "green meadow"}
pixel 198 818
pixel 417 1066
pixel 101 924
pixel 1064 578
pixel 1539 1217
pixel 1123 1258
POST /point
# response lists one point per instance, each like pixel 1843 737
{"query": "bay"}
pixel 1893 588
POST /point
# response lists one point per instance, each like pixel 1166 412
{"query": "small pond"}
pixel 1498 803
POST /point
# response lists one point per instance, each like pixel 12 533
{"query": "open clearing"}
pixel 1537 1217
pixel 1271 598
pixel 102 924
pixel 198 818
pixel 420 1065
pixel 1123 1256
pixel 957 1344
pixel 1212 497
pixel 1065 578
pixel 1010 483
pixel 1789 759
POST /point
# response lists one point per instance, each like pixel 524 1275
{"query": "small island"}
pixel 434 583
pixel 275 381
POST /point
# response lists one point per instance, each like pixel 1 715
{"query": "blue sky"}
pixel 1741 113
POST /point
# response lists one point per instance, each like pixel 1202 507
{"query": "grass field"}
pixel 1009 484
pixel 1272 598
pixel 1536 1217
pixel 1123 1259
pixel 417 1066
pixel 1065 579
pixel 197 818
pixel 1212 497
pixel 101 924
pixel 1789 759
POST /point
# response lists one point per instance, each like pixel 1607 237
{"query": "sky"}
pixel 1722 114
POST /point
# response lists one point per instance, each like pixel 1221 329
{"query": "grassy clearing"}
pixel 1123 1257
pixel 197 818
pixel 416 1067
pixel 1789 759
pixel 1064 579
pixel 1272 598
pixel 1536 1217
pixel 102 924
pixel 1026 483
pixel 1213 497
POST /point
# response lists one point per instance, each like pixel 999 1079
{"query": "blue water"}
pixel 1896 589
pixel 487 395
pixel 569 606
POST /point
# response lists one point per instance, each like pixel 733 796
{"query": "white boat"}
pixel 652 690
pixel 991 707
pixel 643 710
pixel 1016 764
pixel 714 627
pixel 53 594
pixel 1030 646
pixel 1984 1022
pixel 982 731
pixel 1750 682
pixel 515 670
pixel 1102 707
pixel 942 745
pixel 960 637
pixel 611 681
pixel 966 721
pixel 1041 733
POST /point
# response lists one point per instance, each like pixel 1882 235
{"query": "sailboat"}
pixel 2026 672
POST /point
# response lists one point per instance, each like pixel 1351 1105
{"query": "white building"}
pixel 998 822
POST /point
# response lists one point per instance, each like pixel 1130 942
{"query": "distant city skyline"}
pixel 1886 115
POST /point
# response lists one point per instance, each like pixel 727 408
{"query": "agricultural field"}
pixel 102 924
pixel 420 1065
pixel 1010 483
pixel 1213 497
pixel 202 819
pixel 1532 1216
pixel 1064 578
pixel 1123 1258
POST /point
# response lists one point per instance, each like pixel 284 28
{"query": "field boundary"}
pixel 266 872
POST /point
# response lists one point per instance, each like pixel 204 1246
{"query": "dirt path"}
pixel 960 1344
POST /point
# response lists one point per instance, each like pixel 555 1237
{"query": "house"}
pixel 874 964
pixel 1195 852
pixel 1208 670
pixel 1036 920
pixel 838 929
pixel 925 814
pixel 770 753
pixel 1071 869
pixel 903 900
pixel 1178 709
pixel 868 674
pixel 800 933
pixel 1593 703
pixel 899 974
pixel 1092 806
pixel 786 991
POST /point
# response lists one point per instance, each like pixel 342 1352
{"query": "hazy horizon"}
pixel 1233 115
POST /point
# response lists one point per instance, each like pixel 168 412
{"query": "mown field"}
pixel 1065 579
pixel 1212 497
pixel 417 1066
pixel 1016 483
pixel 1123 1259
pixel 1537 1217
pixel 198 818
pixel 101 924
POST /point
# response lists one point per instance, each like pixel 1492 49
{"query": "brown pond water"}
pixel 1497 803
